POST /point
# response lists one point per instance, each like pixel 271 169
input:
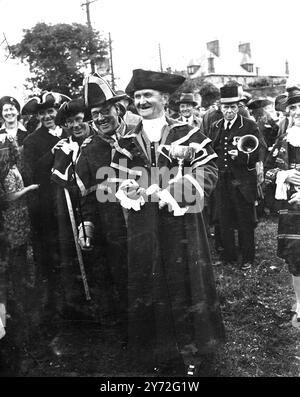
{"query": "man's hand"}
pixel 85 236
pixel 295 198
pixel 58 145
pixel 293 177
pixel 233 153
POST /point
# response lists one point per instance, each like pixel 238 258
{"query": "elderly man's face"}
pixel 294 111
pixel 76 126
pixel 47 117
pixel 186 109
pixel 150 103
pixel 106 118
pixel 229 111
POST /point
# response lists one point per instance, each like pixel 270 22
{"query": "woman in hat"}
pixel 71 117
pixel 10 112
pixel 16 229
pixel 283 172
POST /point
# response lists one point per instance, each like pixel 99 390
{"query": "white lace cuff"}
pixel 281 186
pixel 167 197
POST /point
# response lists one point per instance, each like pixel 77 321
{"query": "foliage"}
pixel 57 54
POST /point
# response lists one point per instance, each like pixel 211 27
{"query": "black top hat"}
pixel 46 100
pixel 97 92
pixel 293 95
pixel 257 103
pixel 229 94
pixel 280 102
pixel 10 101
pixel 187 97
pixel 148 79
pixel 69 109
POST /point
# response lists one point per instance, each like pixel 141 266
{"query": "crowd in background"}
pixel 50 151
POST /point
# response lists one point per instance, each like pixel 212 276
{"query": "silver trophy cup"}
pixel 181 153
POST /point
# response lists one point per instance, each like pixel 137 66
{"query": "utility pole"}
pixel 160 60
pixel 88 16
pixel 111 64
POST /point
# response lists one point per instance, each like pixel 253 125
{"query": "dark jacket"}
pixel 243 167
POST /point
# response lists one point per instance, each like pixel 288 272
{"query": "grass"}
pixel 257 312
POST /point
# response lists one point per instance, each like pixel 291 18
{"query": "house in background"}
pixel 225 61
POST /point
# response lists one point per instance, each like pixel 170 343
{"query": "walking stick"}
pixel 78 250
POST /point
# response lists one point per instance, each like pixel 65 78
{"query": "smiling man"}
pixel 103 228
pixel 187 104
pixel 174 316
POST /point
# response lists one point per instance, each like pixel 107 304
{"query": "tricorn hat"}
pixel 97 91
pixel 257 103
pixel 46 100
pixel 293 95
pixel 148 79
pixel 187 97
pixel 280 102
pixel 229 94
pixel 10 101
pixel 69 109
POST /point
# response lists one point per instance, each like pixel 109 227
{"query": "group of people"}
pixel 122 201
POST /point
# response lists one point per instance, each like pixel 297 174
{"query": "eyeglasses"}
pixel 103 112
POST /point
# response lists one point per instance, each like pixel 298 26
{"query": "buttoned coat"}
pixel 243 167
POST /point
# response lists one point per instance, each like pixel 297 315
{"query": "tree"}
pixel 57 55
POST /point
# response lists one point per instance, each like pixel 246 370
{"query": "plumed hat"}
pixel 148 79
pixel 257 103
pixel 69 109
pixel 246 97
pixel 10 101
pixel 280 102
pixel 46 100
pixel 97 91
pixel 187 97
pixel 293 95
pixel 230 94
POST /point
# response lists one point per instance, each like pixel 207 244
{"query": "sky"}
pixel 182 29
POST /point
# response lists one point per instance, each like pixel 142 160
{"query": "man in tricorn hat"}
pixel 187 104
pixel 39 151
pixel 236 191
pixel 283 172
pixel 174 315
pixel 103 226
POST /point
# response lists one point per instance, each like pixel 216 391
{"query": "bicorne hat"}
pixel 69 109
pixel 293 95
pixel 97 92
pixel 9 100
pixel 148 79
pixel 257 103
pixel 187 97
pixel 46 100
pixel 229 94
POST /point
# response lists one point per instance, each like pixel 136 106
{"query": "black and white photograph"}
pixel 149 191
